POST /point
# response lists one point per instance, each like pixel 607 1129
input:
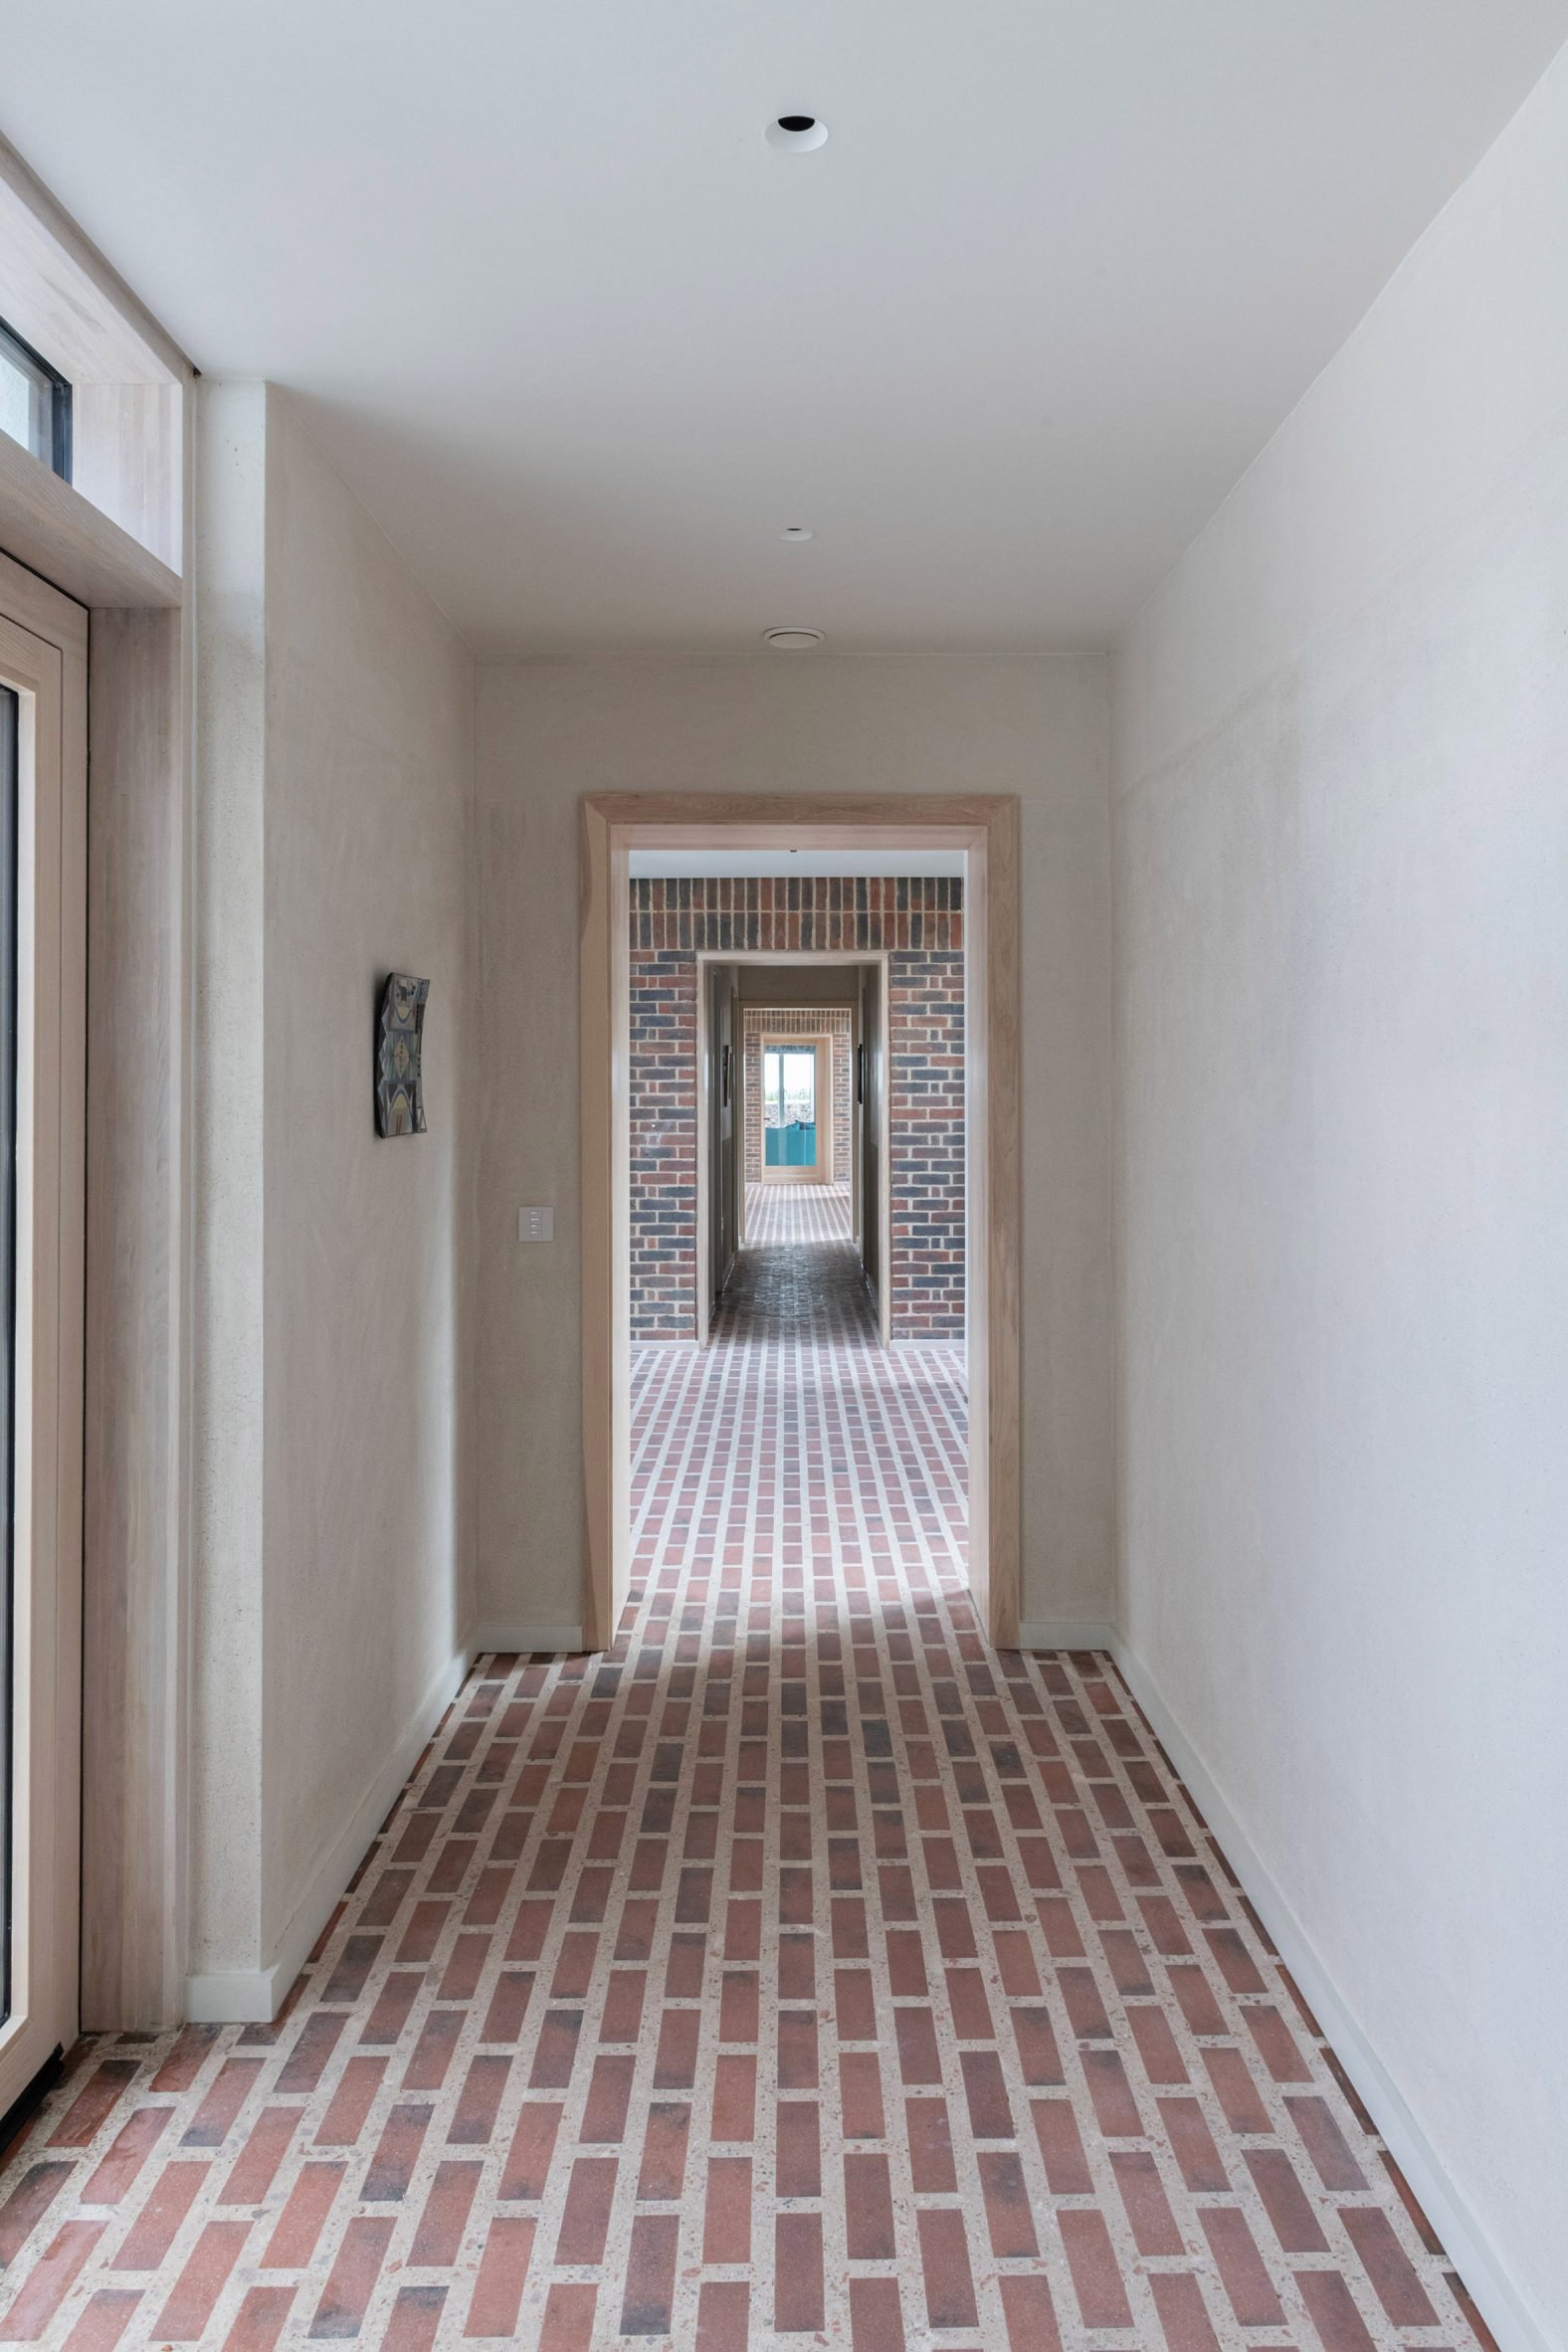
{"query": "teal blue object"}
pixel 794 1147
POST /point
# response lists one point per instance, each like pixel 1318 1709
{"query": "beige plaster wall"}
pixel 334 1574
pixel 229 895
pixel 549 731
pixel 370 768
pixel 1341 877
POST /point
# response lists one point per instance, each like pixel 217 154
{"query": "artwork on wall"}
pixel 400 1032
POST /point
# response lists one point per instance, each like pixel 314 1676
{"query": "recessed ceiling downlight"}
pixel 792 640
pixel 795 530
pixel 798 132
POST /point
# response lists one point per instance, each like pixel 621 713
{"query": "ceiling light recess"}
pixel 797 133
pixel 792 640
pixel 795 530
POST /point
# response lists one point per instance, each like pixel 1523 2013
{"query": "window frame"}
pixel 22 356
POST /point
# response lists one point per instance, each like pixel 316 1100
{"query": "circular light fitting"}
pixel 792 640
pixel 793 530
pixel 798 132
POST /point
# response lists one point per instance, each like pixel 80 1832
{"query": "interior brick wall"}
pixel 926 1141
pixel 664 1143
pixel 759 1021
pixel 918 922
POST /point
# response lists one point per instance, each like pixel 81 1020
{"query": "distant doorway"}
pixel 765 1125
pixel 988 1246
pixel 797 1110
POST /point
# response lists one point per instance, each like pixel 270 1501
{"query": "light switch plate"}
pixel 536 1225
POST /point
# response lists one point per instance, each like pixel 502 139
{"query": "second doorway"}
pixel 792 1093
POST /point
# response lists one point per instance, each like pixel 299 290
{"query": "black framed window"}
pixel 35 402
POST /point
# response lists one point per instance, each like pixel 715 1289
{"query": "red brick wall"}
pixel 663 1144
pixel 927 1142
pixel 717 916
pixel 919 922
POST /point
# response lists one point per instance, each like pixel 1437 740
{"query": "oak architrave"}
pixel 986 828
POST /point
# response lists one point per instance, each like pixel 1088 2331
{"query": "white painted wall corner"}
pixel 1067 1632
pixel 519 1635
pixel 254 1996
pixel 1515 2327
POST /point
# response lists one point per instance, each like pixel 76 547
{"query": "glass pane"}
pixel 800 1086
pixel 16 402
pixel 34 402
pixel 772 1088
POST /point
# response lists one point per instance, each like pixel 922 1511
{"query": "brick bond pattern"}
pixel 925 1137
pixel 798 1972
pixel 790 1213
pixel 919 922
pixel 759 1021
pixel 719 915
pixel 663 1144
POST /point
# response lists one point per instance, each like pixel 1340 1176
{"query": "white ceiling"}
pixel 584 343
pixel 795 861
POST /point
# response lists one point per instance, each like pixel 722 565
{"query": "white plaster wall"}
pixel 227 1453
pixel 1341 892
pixel 370 775
pixel 334 1535
pixel 550 731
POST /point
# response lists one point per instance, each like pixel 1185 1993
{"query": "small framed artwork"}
pixel 400 1036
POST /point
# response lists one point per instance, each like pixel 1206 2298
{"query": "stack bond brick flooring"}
pixel 778 1215
pixel 800 1972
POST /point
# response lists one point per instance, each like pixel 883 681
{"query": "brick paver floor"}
pixel 778 1213
pixel 800 1972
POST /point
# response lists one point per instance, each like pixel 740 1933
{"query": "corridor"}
pixel 798 1972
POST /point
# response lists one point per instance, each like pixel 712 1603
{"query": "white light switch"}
pixel 535 1224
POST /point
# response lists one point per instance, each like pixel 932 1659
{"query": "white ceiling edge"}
pixel 742 864
pixel 1003 345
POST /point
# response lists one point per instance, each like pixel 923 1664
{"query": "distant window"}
pixel 35 402
pixel 789 1086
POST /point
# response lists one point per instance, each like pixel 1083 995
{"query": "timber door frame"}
pixel 44 659
pixel 131 564
pixel 822 1169
pixel 985 826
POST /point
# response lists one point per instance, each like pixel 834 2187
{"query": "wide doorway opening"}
pixel 789 1084
pixel 800 1339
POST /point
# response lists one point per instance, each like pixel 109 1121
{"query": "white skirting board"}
pixel 1067 1632
pixel 518 1636
pixel 254 1996
pixel 1498 2300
